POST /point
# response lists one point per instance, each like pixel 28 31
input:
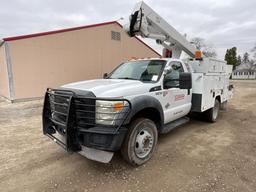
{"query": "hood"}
pixel 111 87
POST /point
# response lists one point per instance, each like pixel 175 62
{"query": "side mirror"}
pixel 185 81
pixel 105 75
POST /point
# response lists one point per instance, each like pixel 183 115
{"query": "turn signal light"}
pixel 198 54
pixel 118 106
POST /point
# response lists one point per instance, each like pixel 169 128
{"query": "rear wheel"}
pixel 140 142
pixel 212 114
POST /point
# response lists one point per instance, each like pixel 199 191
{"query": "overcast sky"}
pixel 224 23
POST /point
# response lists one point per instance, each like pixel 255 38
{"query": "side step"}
pixel 174 124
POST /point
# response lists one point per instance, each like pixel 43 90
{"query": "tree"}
pixel 252 62
pixel 206 48
pixel 250 66
pixel 249 63
pixel 254 51
pixel 231 57
pixel 239 60
pixel 246 58
pixel 198 42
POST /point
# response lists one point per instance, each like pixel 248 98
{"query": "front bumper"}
pixel 69 119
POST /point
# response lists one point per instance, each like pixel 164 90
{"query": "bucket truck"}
pixel 140 99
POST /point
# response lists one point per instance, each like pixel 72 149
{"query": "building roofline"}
pixel 244 70
pixel 148 46
pixel 1 42
pixel 72 29
pixel 58 31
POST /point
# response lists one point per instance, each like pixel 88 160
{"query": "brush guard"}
pixel 69 119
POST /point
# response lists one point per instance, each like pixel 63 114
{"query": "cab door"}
pixel 176 101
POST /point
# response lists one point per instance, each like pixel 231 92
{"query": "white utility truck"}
pixel 139 100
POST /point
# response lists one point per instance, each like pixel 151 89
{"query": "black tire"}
pixel 212 114
pixel 139 128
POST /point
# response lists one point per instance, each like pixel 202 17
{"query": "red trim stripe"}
pixel 72 29
pixel 58 31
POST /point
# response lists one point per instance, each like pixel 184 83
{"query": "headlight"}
pixel 107 112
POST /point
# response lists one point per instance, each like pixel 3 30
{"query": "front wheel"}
pixel 212 114
pixel 140 142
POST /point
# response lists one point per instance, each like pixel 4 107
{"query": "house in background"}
pixel 244 74
pixel 31 63
pixel 245 71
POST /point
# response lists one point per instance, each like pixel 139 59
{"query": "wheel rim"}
pixel 215 110
pixel 144 142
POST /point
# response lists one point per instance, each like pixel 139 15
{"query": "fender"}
pixel 142 102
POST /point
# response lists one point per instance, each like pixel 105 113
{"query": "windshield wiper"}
pixel 127 78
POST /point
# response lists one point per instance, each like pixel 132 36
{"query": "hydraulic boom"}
pixel 147 23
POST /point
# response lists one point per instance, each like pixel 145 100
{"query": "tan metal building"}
pixel 31 63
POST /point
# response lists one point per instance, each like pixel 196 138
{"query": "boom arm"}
pixel 148 24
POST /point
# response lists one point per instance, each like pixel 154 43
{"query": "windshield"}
pixel 143 70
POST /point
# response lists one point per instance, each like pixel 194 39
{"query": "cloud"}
pixel 224 23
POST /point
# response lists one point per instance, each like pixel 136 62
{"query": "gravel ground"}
pixel 199 156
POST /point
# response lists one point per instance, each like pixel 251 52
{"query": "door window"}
pixel 171 78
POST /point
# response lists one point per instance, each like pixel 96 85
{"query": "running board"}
pixel 174 124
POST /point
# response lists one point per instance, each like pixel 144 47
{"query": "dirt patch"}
pixel 199 156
